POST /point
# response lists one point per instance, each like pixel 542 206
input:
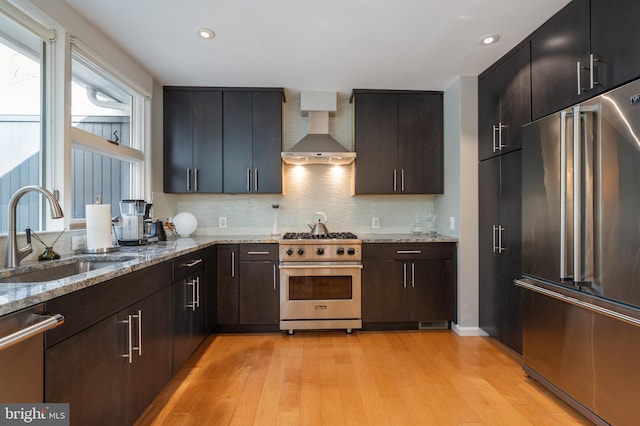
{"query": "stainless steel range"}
pixel 320 277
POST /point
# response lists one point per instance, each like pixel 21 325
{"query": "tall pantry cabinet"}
pixel 504 105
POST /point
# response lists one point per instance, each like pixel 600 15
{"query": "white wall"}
pixel 76 25
pixel 461 194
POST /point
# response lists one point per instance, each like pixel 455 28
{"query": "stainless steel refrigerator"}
pixel 581 255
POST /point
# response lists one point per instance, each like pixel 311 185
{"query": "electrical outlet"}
pixel 78 243
pixel 375 222
pixel 222 222
pixel 452 223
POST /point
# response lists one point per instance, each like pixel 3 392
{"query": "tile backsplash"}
pixel 307 190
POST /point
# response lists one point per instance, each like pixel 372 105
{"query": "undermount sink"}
pixel 58 271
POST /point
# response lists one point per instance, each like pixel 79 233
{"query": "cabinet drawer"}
pixel 402 251
pixel 187 264
pixel 85 307
pixel 258 252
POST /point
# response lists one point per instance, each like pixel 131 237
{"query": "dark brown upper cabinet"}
pixel 192 140
pixel 399 142
pixel 504 104
pixel 252 140
pixel 585 49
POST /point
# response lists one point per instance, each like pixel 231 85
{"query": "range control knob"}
pixel 320 251
pixel 351 251
pixel 289 251
pixel 340 250
pixel 300 251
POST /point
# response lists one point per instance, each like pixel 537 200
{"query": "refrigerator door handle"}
pixel 577 195
pixel 564 115
pixel 584 193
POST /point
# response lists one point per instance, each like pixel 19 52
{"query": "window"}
pixel 107 138
pixel 104 145
pixel 21 128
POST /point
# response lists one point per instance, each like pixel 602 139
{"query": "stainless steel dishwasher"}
pixel 22 354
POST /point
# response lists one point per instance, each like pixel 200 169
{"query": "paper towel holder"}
pixel 102 250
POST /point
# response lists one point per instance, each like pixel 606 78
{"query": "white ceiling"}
pixel 333 45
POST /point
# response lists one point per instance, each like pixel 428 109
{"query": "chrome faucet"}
pixel 14 254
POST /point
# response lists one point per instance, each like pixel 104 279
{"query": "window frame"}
pixel 138 154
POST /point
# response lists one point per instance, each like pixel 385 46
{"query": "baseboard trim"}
pixel 468 331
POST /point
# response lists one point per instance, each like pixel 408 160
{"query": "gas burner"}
pixel 329 236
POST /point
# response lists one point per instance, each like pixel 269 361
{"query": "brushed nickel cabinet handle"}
pixel 191 263
pixel 138 317
pixel 404 275
pixel 233 264
pixel 275 280
pixel 413 274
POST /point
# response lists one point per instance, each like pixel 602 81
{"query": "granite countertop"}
pixel 406 238
pixel 16 296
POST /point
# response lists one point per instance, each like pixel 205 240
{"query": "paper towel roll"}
pixel 98 226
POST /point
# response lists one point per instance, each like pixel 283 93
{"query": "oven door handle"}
pixel 320 266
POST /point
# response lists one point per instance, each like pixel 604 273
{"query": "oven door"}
pixel 319 291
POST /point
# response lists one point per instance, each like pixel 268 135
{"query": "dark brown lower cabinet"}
pixel 259 301
pixel 112 356
pixel 500 253
pixel 110 372
pixel 248 287
pixel 189 326
pixel 189 305
pixel 410 283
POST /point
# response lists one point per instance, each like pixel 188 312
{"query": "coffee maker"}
pixel 136 223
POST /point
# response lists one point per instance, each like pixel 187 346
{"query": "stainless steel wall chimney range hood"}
pixel 318 147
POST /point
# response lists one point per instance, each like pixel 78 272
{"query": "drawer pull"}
pixel 191 264
pixel 261 253
pixel 409 252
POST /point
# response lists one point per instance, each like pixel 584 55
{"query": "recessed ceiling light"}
pixel 206 33
pixel 489 39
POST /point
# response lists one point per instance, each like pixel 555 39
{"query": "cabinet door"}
pixel 515 101
pixel 556 48
pixel 420 143
pixel 237 142
pixel 432 293
pixel 182 324
pixel 207 141
pixel 178 135
pixel 489 92
pixel 89 372
pixel 151 370
pixel 614 35
pixel 384 293
pixel 259 299
pixel 211 268
pixel 227 284
pixel 489 218
pixel 267 142
pixel 376 135
pixel 511 258
pixel 199 315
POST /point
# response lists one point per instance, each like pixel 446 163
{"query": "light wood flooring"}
pixel 367 378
